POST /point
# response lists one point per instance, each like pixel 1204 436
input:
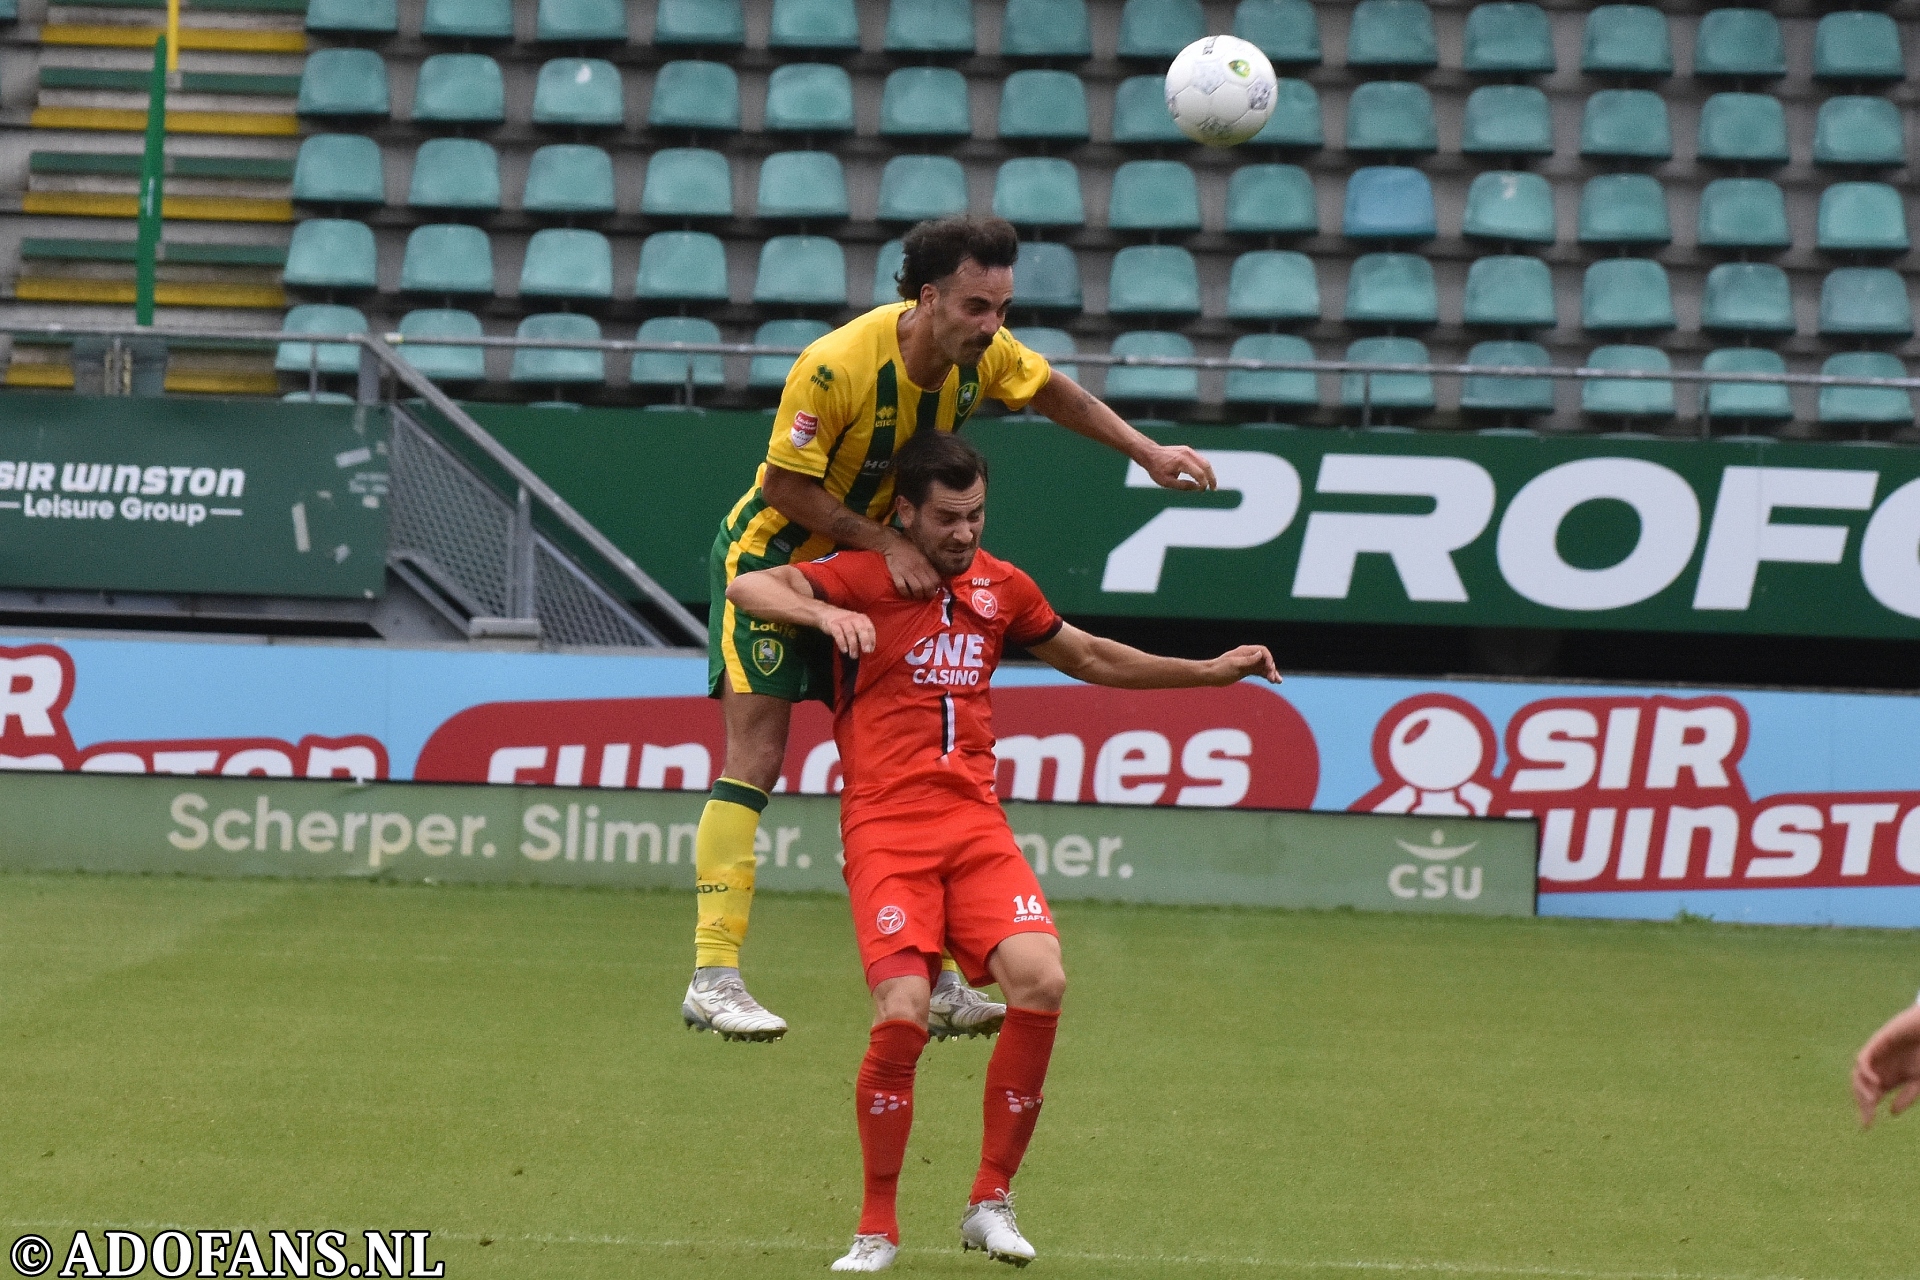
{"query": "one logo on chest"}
pixel 949 659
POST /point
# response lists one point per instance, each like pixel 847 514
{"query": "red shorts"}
pixel 957 884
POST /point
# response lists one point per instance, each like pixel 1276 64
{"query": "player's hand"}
pixel 913 575
pixel 1889 1063
pixel 851 633
pixel 1175 466
pixel 1247 660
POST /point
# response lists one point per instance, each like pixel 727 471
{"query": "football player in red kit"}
pixel 931 863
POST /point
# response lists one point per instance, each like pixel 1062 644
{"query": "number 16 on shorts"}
pixel 1030 910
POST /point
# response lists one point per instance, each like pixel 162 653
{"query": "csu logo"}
pixel 767 655
pixel 891 920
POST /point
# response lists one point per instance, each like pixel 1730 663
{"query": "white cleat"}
pixel 869 1253
pixel 723 1006
pixel 956 1009
pixel 989 1226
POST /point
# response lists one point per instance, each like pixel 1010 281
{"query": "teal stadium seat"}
pixel 1056 345
pixel 1858 45
pixel 371 17
pixel 814 24
pixel 666 369
pixel 467 20
pixel 1854 130
pixel 1862 217
pixel 1507 119
pixel 1271 200
pixel 320 319
pixel 1290 388
pixel 925 102
pixel 1295 121
pixel 715 23
pixel 1387 390
pixel 1513 292
pixel 1743 128
pixel 1159 28
pixel 331 253
pixel 1391 288
pixel 917 187
pixel 570 178
pixel 1747 399
pixel 802 184
pixel 1867 301
pixel 1391 33
pixel 343 82
pixel 771 371
pixel 1492 393
pixel 1046 278
pixel 1149 384
pixel 1050 105
pixel 1153 279
pixel 460 88
pixel 1624 397
pixel 558 366
pixel 442 363
pixel 930 26
pixel 1046 29
pixel 1508 37
pixel 567 262
pixel 1154 195
pixel 1743 213
pixel 886 271
pixel 1867 406
pixel 686 182
pixel 582 92
pixel 1039 191
pixel 1626 294
pixel 1287 31
pixel 580 20
pixel 1741 43
pixel 339 168
pixel 682 266
pixel 1140 113
pixel 1509 206
pixel 1387 202
pixel 809 97
pixel 696 95
pixel 801 271
pixel 1627 39
pixel 1629 123
pixel 1624 208
pixel 455 173
pixel 1272 286
pixel 1391 116
pixel 1747 297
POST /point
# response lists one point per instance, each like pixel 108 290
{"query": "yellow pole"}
pixel 173 36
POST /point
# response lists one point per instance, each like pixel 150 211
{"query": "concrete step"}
pixel 232 123
pixel 191 82
pixel 81 204
pixel 55 249
pixel 225 39
pixel 127 164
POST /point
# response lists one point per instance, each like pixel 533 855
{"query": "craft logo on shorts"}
pixel 767 655
pixel 984 603
pixel 805 428
pixel 891 920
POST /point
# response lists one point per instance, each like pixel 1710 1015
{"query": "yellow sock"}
pixel 723 870
pixel 946 963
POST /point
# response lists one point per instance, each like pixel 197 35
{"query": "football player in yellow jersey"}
pixel 853 398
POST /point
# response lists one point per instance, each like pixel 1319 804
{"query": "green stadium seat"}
pixel 1387 202
pixel 696 95
pixel 1743 43
pixel 1272 285
pixel 1858 45
pixel 664 368
pixel 1629 123
pixel 1628 397
pixel 1507 119
pixel 320 319
pixel 1046 278
pixel 467 20
pixel 1865 405
pixel 582 92
pixel 1296 388
pixel 1039 191
pixel 1153 279
pixel 1271 200
pixel 460 88
pixel 1626 293
pixel 930 26
pixel 580 20
pixel 1391 115
pixel 1491 393
pixel 1510 206
pixel 1046 29
pixel 1295 121
pixel 809 97
pixel 925 102
pixel 1513 292
pixel 814 24
pixel 555 366
pixel 771 371
pixel 1624 208
pixel 1627 39
pixel 1391 288
pixel 1056 345
pixel 1140 113
pixel 331 253
pixel 343 82
pixel 566 262
pixel 1865 300
pixel 1508 37
pixel 1147 383
pixel 1154 195
pixel 1159 28
pixel 373 17
pixel 1743 213
pixel 886 271
pixel 455 173
pixel 686 182
pixel 917 187
pixel 570 178
pixel 1743 128
pixel 1287 31
pixel 1862 217
pixel 1747 399
pixel 1391 33
pixel 1044 104
pixel 801 271
pixel 682 266
pixel 339 168
pixel 441 363
pixel 717 23
pixel 1859 131
pixel 1747 297
pixel 1387 390
pixel 802 184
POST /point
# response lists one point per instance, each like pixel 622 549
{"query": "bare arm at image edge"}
pixel 1098 660
pixel 1172 466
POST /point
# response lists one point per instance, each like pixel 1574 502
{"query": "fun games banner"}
pixel 1784 807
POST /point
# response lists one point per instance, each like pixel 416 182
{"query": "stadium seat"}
pixel 802 184
pixel 570 178
pixel 1747 297
pixel 683 182
pixel 809 97
pixel 802 271
pixel 1153 279
pixel 455 173
pixel 1858 45
pixel 1391 288
pixel 1297 388
pixel 1391 115
pixel 1140 113
pixel 1743 213
pixel 1624 208
pixel 886 271
pixel 343 82
pixel 329 357
pixel 1046 29
pixel 1272 285
pixel 1044 104
pixel 1510 206
pixel 814 24
pixel 460 88
pixel 1627 39
pixel 930 26
pixel 682 266
pixel 1508 37
pixel 1866 405
pixel 1743 128
pixel 1154 195
pixel 1180 386
pixel 580 92
pixel 447 258
pixel 1510 292
pixel 441 363
pixel 1387 202
pixel 695 95
pixel 1628 397
pixel 666 369
pixel 1391 33
pixel 1295 121
pixel 1491 393
pixel 467 20
pixel 1271 200
pixel 1287 31
pixel 1046 278
pixel 1387 390
pixel 1626 293
pixel 1626 122
pixel 1056 345
pixel 718 23
pixel 373 17
pixel 1039 191
pixel 555 366
pixel 339 168
pixel 1741 43
pixel 566 262
pixel 1865 300
pixel 1859 131
pixel 771 371
pixel 331 253
pixel 917 187
pixel 580 20
pixel 1507 119
pixel 1746 399
pixel 1159 28
pixel 1862 217
pixel 925 102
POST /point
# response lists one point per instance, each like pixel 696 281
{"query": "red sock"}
pixel 1015 1074
pixel 883 1100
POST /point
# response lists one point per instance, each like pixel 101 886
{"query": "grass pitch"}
pixel 1234 1093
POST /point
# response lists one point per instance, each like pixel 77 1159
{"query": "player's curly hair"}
pixel 934 250
pixel 928 456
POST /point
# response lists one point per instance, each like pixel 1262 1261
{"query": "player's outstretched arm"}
pixel 1889 1063
pixel 1097 660
pixel 1172 466
pixel 805 501
pixel 783 594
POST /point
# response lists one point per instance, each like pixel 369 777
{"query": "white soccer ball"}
pixel 1220 90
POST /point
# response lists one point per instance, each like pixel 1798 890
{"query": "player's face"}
pixel 967 309
pixel 946 527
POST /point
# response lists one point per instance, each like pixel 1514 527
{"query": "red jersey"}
pixel 914 718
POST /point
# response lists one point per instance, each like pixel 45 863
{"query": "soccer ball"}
pixel 1220 90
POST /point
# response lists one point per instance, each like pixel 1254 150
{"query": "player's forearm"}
pixel 1080 411
pixel 767 597
pixel 1118 666
pixel 803 500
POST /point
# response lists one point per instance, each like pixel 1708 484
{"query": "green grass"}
pixel 1234 1093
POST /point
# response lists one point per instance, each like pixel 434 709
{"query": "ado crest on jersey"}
pixel 948 659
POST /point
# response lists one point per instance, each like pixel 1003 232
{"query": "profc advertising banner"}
pixel 1741 805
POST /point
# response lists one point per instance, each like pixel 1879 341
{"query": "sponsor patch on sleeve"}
pixel 805 428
